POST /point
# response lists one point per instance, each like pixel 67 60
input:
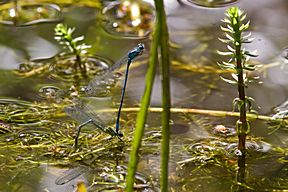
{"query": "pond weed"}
pixel 238 61
pixel 71 45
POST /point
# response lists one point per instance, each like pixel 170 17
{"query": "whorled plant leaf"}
pixel 244 26
pixel 235 103
pixel 225 40
pixel 230 81
pixel 229 37
pixel 249 67
pixel 77 39
pixel 247 40
pixel 243 17
pixel 226 65
pixel 233 34
pixel 251 54
pixel 231 48
pixel 251 100
pixel 225 20
pixel 226 29
pixel 225 53
pixel 63 35
pixel 247 35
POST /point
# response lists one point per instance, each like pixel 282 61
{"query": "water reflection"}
pixel 10 58
pixel 19 14
pixel 23 47
pixel 132 19
pixel 209 3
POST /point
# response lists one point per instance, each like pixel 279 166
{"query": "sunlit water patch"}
pixel 128 19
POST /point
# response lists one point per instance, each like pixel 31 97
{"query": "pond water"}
pixel 37 136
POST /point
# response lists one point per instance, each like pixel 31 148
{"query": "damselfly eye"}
pixel 141 46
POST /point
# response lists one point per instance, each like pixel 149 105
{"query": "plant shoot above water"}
pixel 236 36
pixel 63 35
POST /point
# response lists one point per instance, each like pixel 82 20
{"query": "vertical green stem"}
pixel 241 92
pixel 145 102
pixel 240 176
pixel 233 33
pixel 165 72
pixel 242 124
pixel 80 64
pixel 16 9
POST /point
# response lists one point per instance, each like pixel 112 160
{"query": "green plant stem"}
pixel 215 113
pixel 240 175
pixel 59 113
pixel 81 65
pixel 16 9
pixel 78 61
pixel 166 101
pixel 241 91
pixel 142 114
pixel 241 124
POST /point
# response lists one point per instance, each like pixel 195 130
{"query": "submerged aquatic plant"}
pixel 238 63
pixel 63 35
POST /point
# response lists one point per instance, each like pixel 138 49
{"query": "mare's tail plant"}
pixel 63 35
pixel 238 62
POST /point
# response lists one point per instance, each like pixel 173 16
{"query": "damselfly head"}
pixel 141 46
pixel 120 134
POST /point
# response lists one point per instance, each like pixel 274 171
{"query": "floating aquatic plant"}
pixel 63 35
pixel 61 66
pixel 21 112
pixel 235 38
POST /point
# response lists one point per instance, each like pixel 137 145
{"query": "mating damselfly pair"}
pixel 93 87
